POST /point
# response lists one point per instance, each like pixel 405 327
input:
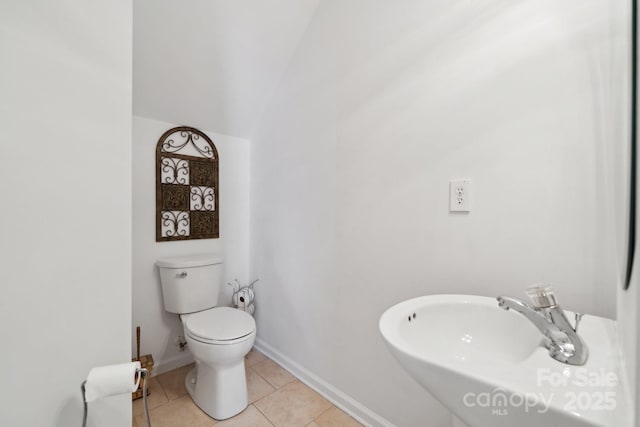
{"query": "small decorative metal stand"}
pixel 187 193
pixel 243 297
pixel 146 362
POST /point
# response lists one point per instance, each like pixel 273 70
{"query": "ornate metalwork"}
pixel 181 138
pixel 187 201
pixel 201 173
pixel 175 224
pixel 174 171
pixel 203 222
pixel 175 197
pixel 202 199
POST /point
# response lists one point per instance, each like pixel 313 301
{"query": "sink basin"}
pixel 490 367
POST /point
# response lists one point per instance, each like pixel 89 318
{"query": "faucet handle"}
pixel 542 296
pixel 578 319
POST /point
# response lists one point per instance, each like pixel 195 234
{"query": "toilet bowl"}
pixel 218 337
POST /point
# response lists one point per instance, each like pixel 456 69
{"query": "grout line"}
pixel 168 401
pixel 275 388
pixel 264 397
pixel 341 400
pixel 263 414
pixel 163 392
pixel 324 412
pixel 269 382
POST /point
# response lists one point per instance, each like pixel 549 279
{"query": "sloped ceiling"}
pixel 213 63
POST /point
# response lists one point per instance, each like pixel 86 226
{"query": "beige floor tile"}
pixel 293 405
pixel 155 398
pixel 334 417
pixel 257 387
pixel 181 412
pixel 253 357
pixel 172 382
pixel 274 373
pixel 250 417
pixel 312 424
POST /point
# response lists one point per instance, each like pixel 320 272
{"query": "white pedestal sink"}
pixel 490 367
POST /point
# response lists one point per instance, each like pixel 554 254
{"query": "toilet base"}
pixel 221 393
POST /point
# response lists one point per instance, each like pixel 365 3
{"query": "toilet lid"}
pixel 220 324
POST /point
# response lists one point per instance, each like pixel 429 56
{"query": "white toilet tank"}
pixel 190 283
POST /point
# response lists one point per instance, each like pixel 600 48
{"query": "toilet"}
pixel 218 337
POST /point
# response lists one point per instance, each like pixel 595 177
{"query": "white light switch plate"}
pixel 460 195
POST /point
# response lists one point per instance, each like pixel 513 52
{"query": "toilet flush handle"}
pixel 181 275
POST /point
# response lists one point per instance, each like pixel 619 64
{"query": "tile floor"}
pixel 276 399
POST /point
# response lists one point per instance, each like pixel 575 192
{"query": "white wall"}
pixel 381 106
pixel 628 308
pixel 159 328
pixel 218 70
pixel 65 222
pixel 628 301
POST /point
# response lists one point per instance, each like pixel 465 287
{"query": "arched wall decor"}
pixel 187 190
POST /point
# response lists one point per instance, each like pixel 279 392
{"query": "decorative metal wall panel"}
pixel 187 200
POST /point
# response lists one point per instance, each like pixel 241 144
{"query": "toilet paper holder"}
pixel 143 374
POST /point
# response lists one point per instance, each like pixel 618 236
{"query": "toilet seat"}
pixel 219 325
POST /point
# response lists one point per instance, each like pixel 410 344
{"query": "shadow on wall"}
pixel 71 412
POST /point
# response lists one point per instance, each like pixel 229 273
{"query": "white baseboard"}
pixel 340 399
pixel 170 364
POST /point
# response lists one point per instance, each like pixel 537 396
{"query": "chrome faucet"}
pixel 562 339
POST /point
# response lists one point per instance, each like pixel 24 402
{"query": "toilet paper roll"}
pixel 111 380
